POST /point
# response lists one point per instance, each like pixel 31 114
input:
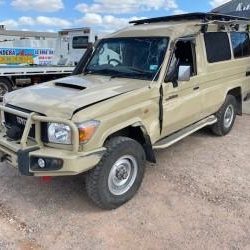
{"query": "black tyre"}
pixel 226 117
pixel 118 176
pixel 5 87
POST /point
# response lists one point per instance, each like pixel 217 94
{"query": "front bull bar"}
pixel 36 120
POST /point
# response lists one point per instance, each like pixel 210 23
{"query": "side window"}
pixel 217 46
pixel 183 55
pixel 240 44
pixel 80 42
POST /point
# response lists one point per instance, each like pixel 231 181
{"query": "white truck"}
pixel 30 57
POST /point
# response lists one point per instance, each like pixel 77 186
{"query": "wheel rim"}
pixel 229 116
pixel 3 89
pixel 122 175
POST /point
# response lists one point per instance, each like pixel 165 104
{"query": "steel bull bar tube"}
pixel 74 129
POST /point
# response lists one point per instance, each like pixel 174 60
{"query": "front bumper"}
pixel 72 163
pixel 23 154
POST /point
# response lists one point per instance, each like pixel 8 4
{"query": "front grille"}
pixel 16 124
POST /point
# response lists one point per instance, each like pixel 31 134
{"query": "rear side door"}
pixel 182 104
pixel 221 71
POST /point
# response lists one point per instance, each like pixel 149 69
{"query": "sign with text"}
pixel 15 56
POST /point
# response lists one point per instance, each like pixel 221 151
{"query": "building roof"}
pixel 76 29
pixel 19 33
pixel 235 7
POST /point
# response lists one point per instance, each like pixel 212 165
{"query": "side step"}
pixel 172 139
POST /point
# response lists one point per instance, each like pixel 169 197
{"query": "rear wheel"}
pixel 226 117
pixel 118 176
pixel 5 87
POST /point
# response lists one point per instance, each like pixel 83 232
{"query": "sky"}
pixel 103 16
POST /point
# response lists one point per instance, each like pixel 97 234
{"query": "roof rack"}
pixel 205 17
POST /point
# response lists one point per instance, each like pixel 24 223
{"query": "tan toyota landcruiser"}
pixel 140 89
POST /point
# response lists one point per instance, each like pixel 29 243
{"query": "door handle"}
pixel 247 73
pixel 171 97
pixel 196 88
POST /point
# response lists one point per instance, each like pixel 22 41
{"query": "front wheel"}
pixel 118 176
pixel 226 117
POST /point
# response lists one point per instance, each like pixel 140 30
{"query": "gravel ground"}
pixel 246 108
pixel 196 197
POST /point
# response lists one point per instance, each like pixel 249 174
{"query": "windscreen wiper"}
pixel 130 74
pixel 101 71
pixel 137 70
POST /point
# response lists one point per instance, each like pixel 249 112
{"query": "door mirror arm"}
pixel 175 83
pixel 173 77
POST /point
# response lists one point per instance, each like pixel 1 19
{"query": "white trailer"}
pixel 73 44
pixel 28 57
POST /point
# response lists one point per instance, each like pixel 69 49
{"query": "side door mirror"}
pixel 184 73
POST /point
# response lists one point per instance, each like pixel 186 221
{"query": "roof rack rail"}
pixel 205 17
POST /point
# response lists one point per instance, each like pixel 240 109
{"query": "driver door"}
pixel 182 104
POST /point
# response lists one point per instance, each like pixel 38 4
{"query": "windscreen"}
pixel 139 58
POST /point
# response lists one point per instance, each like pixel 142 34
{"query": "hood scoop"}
pixel 69 85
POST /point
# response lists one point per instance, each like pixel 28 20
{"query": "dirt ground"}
pixel 246 108
pixel 196 197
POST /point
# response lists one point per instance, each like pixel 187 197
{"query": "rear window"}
pixel 80 42
pixel 217 46
pixel 240 44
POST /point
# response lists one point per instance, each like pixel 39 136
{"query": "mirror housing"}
pixel 184 73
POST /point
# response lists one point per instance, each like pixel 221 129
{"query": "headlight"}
pixel 87 130
pixel 59 133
